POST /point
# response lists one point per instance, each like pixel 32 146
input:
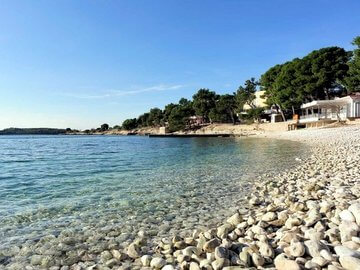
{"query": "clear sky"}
pixel 81 63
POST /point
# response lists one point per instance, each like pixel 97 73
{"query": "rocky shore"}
pixel 305 218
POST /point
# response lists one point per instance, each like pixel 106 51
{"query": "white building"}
pixel 331 110
pixel 259 101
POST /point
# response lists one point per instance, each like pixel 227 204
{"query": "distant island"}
pixel 32 131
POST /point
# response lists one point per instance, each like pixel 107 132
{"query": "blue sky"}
pixel 80 63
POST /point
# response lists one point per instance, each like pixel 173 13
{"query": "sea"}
pixel 124 184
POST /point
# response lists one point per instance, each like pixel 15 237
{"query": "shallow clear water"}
pixel 103 183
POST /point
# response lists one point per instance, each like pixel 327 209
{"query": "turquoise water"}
pixel 102 183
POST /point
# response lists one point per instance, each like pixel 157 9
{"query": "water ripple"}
pixel 50 183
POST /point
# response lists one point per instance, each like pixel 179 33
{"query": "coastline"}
pixel 307 217
pixel 211 129
pixel 265 130
pixel 297 219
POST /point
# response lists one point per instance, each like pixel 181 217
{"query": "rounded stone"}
pixel 221 253
pixel 350 263
pixel 145 260
pixel 194 266
pixel 257 259
pixel 283 263
pixel 133 251
pixel 210 245
pixel 157 263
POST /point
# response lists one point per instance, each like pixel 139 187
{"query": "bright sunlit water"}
pixel 52 183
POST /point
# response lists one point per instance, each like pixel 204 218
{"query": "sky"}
pixel 82 63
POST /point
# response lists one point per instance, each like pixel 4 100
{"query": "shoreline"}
pixel 211 129
pixel 292 220
pixel 270 130
pixel 305 218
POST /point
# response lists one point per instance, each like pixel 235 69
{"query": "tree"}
pixel 279 87
pixel 316 76
pixel 179 115
pixel 178 118
pixel 246 95
pixel 321 74
pixel 224 110
pixel 267 83
pixel 352 81
pixel 104 127
pixel 328 67
pixel 290 90
pixel 155 117
pixel 143 120
pixel 255 113
pixel 185 102
pixel 203 101
pixel 167 111
pixel 129 124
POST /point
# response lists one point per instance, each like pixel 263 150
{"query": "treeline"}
pixel 322 74
pixel 102 128
pixel 206 104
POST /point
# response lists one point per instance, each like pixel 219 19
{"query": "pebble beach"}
pixel 307 217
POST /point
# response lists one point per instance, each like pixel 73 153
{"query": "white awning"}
pixel 327 103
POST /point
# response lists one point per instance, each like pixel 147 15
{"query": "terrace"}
pixel 325 110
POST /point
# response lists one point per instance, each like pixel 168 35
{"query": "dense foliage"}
pixel 130 124
pixel 224 110
pixel 322 74
pixel 203 101
pixel 179 114
pixel 319 75
pixel 104 127
pixel 352 81
pixel 245 95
